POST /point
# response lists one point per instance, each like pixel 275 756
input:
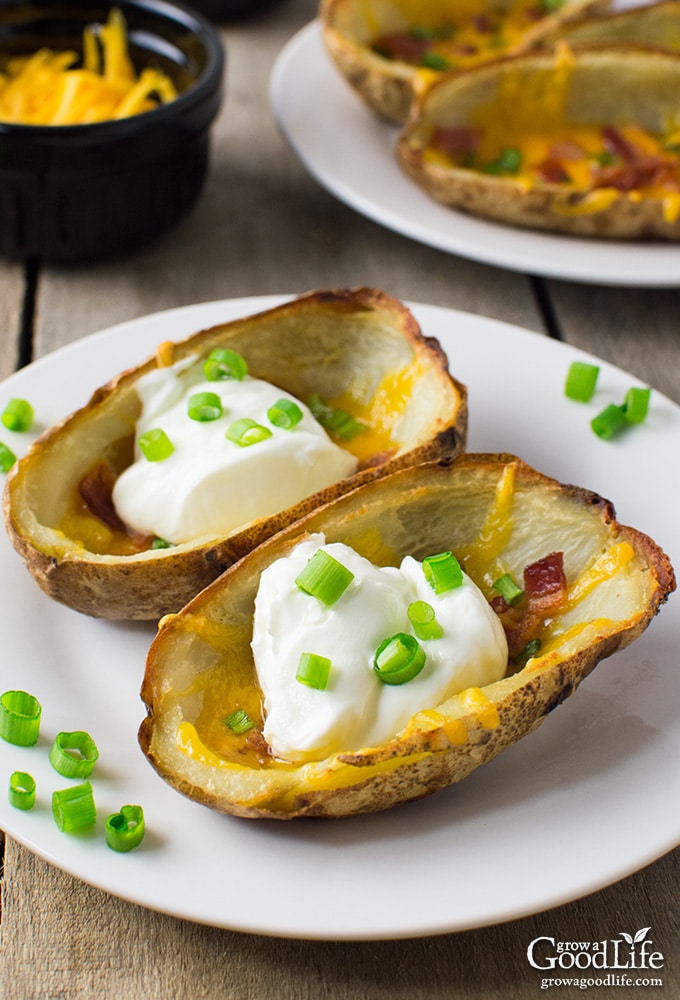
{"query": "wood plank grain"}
pixel 12 288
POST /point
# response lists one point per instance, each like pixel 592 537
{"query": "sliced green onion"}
pixel 204 406
pixel 20 718
pixel 74 755
pixel 18 415
pixel 73 808
pixel 432 60
pixel 313 671
pixel 424 621
pixel 509 162
pixel 339 421
pixel 399 659
pixel 442 572
pixel 285 413
pixel 239 722
pixel 21 793
pixel 160 543
pixel 245 432
pixel 508 589
pixel 324 578
pixel 609 421
pixel 7 458
pixel 636 404
pixel 155 445
pixel 531 648
pixel 124 830
pixel 223 363
pixel 581 381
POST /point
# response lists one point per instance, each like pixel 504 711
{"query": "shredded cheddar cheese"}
pixel 58 88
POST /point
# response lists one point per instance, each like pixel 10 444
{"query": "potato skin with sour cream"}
pixel 358 344
pixel 495 512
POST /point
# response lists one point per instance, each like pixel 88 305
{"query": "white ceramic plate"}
pixel 351 153
pixel 598 780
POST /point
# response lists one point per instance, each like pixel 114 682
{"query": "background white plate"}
pixel 351 153
pixel 587 799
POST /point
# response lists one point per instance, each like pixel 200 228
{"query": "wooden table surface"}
pixel 264 226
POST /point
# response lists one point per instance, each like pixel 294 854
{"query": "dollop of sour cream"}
pixel 357 709
pixel 210 485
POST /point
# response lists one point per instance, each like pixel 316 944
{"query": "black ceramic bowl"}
pixel 83 192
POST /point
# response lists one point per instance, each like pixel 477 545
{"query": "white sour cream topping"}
pixel 209 485
pixel 356 709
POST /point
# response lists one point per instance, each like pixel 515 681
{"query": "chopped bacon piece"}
pixel 462 49
pixel 545 588
pixel 644 172
pixel 96 490
pixel 482 23
pixel 456 141
pixel 403 47
pixel 545 578
pixel 617 144
pixel 566 149
pixel 552 171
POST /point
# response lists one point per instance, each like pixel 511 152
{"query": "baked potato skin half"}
pixel 328 342
pixel 655 24
pixel 440 505
pixel 389 86
pixel 605 87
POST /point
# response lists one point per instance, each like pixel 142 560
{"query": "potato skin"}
pixel 612 85
pixel 325 341
pixel 387 86
pixel 416 511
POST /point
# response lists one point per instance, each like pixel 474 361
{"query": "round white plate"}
pixel 596 783
pixel 351 153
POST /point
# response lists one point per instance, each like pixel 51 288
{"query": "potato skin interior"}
pixel 495 512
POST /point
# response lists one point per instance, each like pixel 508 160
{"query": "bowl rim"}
pixel 210 79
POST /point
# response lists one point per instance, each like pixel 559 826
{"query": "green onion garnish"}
pixel 155 445
pixel 581 380
pixel 239 722
pixel 74 755
pixel 7 458
pixel 245 432
pixel 508 589
pixel 636 404
pixel 21 793
pixel 324 578
pixel 509 162
pixel 432 60
pixel 204 406
pixel 339 421
pixel 531 648
pixel 442 572
pixel 424 621
pixel 160 543
pixel 20 718
pixel 17 415
pixel 285 413
pixel 313 670
pixel 223 363
pixel 399 659
pixel 124 830
pixel 73 808
pixel 609 421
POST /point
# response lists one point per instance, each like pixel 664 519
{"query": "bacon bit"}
pixel 256 742
pixel 402 47
pixel 456 141
pixel 617 144
pixel 566 149
pixel 545 587
pixel 482 24
pixel 460 49
pixel 552 171
pixel 96 491
pixel 644 172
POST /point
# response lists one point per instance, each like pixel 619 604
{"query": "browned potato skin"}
pixel 323 341
pixel 418 510
pixel 387 86
pixel 623 78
